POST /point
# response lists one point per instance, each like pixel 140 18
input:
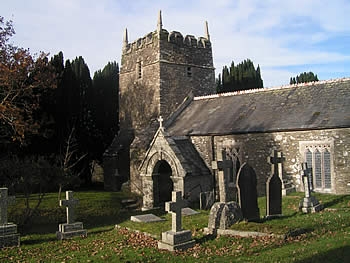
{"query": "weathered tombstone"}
pixel 225 213
pixel 247 192
pixel 206 200
pixel 8 231
pixel 176 238
pixel 222 165
pixel 71 228
pixel 309 204
pixel 274 187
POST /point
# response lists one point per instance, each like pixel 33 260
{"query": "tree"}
pixel 23 80
pixel 104 100
pixel 68 161
pixel 303 78
pixel 239 77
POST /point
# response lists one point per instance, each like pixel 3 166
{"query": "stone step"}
pixel 130 201
pixel 288 190
pixel 71 234
pixel 9 240
pixel 130 204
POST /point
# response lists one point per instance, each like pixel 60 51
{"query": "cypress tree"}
pixel 239 77
pixel 304 77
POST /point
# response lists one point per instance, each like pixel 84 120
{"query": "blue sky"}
pixel 284 37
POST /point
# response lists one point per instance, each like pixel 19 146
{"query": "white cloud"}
pixel 274 34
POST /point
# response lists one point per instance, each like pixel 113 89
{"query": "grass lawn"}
pixel 320 237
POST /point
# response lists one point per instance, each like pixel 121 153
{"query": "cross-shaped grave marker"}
pixel 174 207
pixel 70 204
pixel 5 200
pixel 306 177
pixel 275 159
pixel 309 204
pixel 222 165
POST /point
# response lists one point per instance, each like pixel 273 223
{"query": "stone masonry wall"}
pixel 176 85
pixel 171 67
pixel 257 147
pixel 186 66
pixel 142 93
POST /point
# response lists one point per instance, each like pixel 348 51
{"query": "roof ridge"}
pixel 241 92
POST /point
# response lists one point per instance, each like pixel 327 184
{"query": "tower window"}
pixel 189 72
pixel 139 69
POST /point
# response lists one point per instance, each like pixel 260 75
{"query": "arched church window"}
pixel 308 159
pixel 327 169
pixel 318 169
pixel 318 156
pixel 232 154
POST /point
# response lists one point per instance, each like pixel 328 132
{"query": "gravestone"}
pixel 247 192
pixel 274 186
pixel 8 231
pixel 222 165
pixel 223 215
pixel 309 204
pixel 146 218
pixel 176 238
pixel 206 200
pixel 186 211
pixel 71 228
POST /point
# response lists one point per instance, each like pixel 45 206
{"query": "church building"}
pixel 173 126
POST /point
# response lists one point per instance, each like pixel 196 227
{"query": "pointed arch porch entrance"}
pixel 162 183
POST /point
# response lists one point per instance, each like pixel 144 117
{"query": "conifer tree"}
pixel 303 78
pixel 240 77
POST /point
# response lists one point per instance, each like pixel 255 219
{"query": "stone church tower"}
pixel 158 73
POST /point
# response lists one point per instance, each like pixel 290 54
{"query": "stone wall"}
pixel 255 148
pixel 186 66
pixel 139 94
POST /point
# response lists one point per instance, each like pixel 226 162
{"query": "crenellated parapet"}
pixel 140 43
pixel 174 37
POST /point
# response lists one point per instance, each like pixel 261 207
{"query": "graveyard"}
pixel 186 174
pixel 112 237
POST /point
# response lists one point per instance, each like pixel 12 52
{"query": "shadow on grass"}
pixel 31 229
pixel 341 254
pixel 100 231
pixel 277 217
pixel 40 240
pixel 205 239
pixel 91 222
pixel 338 200
pixel 297 232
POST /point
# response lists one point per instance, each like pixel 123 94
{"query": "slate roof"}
pixel 318 105
pixel 191 156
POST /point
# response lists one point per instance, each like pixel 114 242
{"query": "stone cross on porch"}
pixel 276 160
pixel 160 119
pixel 174 207
pixel 222 165
pixel 70 204
pixel 5 200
